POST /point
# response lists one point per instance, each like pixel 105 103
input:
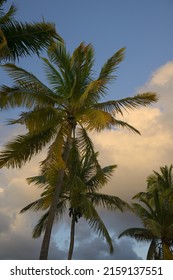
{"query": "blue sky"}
pixel 145 29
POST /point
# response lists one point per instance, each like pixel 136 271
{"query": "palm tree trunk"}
pixel 72 234
pixel 52 210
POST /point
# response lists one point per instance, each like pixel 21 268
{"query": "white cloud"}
pixel 162 75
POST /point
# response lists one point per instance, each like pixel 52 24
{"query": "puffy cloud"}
pixel 163 75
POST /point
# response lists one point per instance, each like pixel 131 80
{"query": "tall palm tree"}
pixel 156 215
pixel 71 105
pixel 79 194
pixel 19 39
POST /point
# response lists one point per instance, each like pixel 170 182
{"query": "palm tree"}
pixel 19 39
pixel 162 182
pixel 79 194
pixel 72 104
pixel 156 215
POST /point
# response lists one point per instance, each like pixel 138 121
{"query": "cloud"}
pixel 136 156
pixel 163 75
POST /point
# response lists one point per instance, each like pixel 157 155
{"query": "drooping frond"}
pixel 119 123
pixel 42 223
pixel 39 180
pixel 27 39
pixel 96 120
pixel 144 213
pixel 96 223
pixel 40 204
pixel 40 226
pixel 39 119
pixel 54 160
pixel 20 150
pixel 109 202
pixel 11 97
pixel 139 234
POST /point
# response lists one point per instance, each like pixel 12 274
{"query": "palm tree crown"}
pixel 156 214
pixel 82 181
pixel 72 99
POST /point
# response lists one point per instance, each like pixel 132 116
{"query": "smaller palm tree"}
pixel 162 182
pixel 156 213
pixel 79 196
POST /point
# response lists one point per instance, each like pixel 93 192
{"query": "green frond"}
pixel 54 160
pixel 111 65
pixel 39 119
pixel 118 106
pixel 20 150
pixel 58 55
pixel 144 213
pixel 40 204
pixel 27 39
pixel 42 223
pixel 84 141
pixel 109 202
pixel 118 123
pixel 91 93
pixel 96 223
pixel 101 177
pixel 143 195
pixel 139 234
pixel 7 17
pixel 11 97
pixel 39 180
pixel 96 120
pixel 40 226
pixel 55 79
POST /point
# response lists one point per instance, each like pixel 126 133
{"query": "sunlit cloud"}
pixel 163 75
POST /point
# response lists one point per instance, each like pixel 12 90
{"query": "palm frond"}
pixel 96 223
pixel 96 120
pixel 39 119
pixel 11 97
pixel 111 65
pixel 100 177
pixel 7 17
pixel 122 124
pixel 54 77
pixel 139 234
pixel 118 106
pixel 40 226
pixel 20 150
pixel 109 202
pixel 42 223
pixel 54 160
pixel 27 39
pixel 144 213
pixel 40 204
pixel 58 55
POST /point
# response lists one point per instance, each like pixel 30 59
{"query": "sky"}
pixel 145 29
